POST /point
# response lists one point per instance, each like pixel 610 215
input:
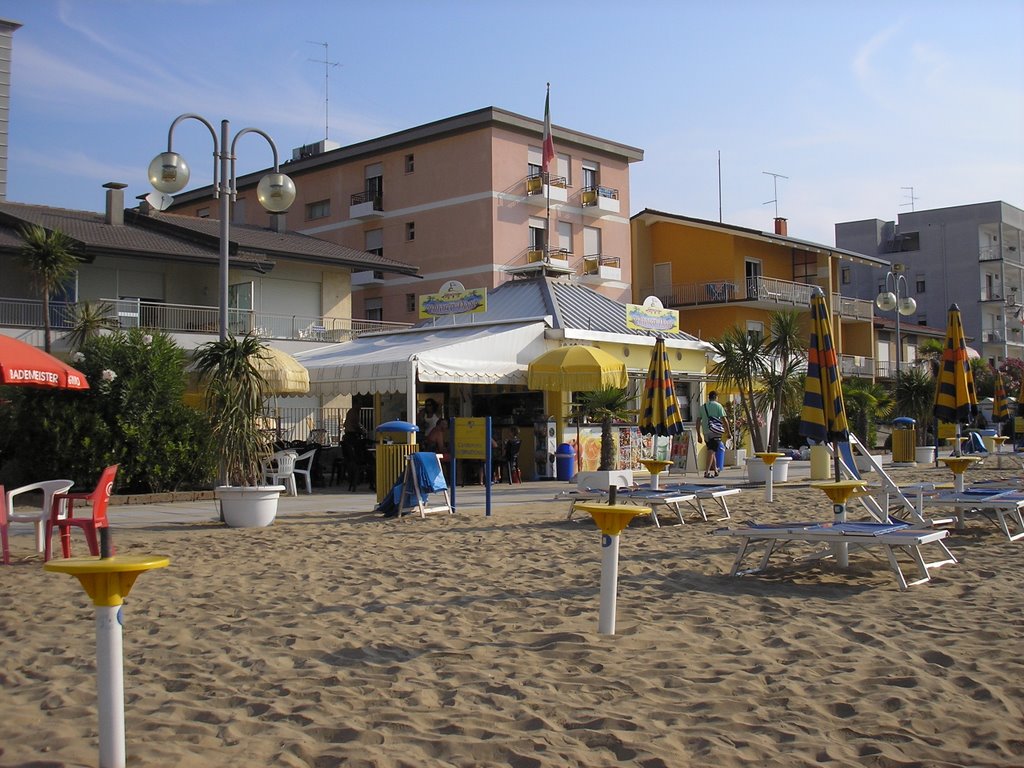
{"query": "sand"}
pixel 345 639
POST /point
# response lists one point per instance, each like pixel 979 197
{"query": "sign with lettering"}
pixel 471 437
pixel 453 299
pixel 648 318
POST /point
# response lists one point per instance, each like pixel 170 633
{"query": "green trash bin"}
pixel 904 440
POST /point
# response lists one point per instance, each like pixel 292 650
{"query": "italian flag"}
pixel 548 151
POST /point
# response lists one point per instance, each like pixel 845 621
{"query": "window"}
pixel 565 236
pixel 318 210
pixel 537 227
pixel 410 163
pixel 845 275
pixel 563 168
pixel 590 174
pixel 374 181
pixel 805 267
pixel 755 330
pixel 373 309
pixel 534 161
pixel 919 285
pixel 410 302
pixel 591 241
pixel 410 231
pixel 374 241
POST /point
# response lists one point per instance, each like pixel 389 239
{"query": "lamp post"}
pixel 169 173
pixel 887 301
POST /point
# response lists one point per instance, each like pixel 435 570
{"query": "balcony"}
pixel 533 261
pixel 856 365
pixel 192 319
pixel 597 270
pixel 537 191
pixel 366 205
pixel 599 201
pixel 367 277
pixel 850 308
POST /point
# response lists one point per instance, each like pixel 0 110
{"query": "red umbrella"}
pixel 24 365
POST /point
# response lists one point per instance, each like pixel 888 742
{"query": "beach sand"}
pixel 340 638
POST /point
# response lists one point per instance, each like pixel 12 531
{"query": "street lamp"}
pixel 169 173
pixel 888 301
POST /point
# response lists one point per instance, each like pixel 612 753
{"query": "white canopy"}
pixel 496 353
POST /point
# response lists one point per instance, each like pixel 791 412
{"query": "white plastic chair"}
pixel 37 517
pixel 304 467
pixel 279 469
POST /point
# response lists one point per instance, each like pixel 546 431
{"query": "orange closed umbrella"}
pixel 23 365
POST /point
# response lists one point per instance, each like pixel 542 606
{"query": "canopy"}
pixel 576 369
pixel 23 365
pixel 661 409
pixel 470 354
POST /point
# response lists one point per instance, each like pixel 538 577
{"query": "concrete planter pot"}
pixel 249 507
pixel 757 471
pixel 924 454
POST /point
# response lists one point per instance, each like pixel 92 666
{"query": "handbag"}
pixel 715 426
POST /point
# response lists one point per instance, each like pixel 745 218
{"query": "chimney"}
pixel 780 226
pixel 278 222
pixel 115 202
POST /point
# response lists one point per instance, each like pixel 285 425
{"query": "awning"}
pixel 469 354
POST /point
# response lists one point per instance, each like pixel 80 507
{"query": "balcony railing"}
pixel 368 197
pixel 184 318
pixel 592 264
pixel 851 308
pixel 856 365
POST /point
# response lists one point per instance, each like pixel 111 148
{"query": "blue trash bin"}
pixel 565 462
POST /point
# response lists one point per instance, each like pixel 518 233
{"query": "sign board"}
pixel 650 318
pixel 471 438
pixel 453 299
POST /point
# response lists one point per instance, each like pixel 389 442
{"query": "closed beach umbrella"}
pixel 955 397
pixel 23 365
pixel 823 416
pixel 1000 405
pixel 576 369
pixel 661 409
pixel 284 374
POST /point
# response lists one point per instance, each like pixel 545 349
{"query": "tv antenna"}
pixel 328 64
pixel 911 196
pixel 775 188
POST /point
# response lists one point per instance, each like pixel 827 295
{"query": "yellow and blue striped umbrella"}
pixel 661 409
pixel 1000 405
pixel 956 400
pixel 823 416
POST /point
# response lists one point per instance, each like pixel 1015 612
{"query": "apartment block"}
pixel 969 255
pixel 461 198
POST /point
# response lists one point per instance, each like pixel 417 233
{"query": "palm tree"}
pixel 50 258
pixel 865 402
pixel 606 406
pixel 742 369
pixel 914 396
pixel 88 320
pixel 931 351
pixel 787 345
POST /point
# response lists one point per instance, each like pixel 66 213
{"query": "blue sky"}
pixel 851 101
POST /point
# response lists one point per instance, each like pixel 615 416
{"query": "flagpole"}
pixel 547 174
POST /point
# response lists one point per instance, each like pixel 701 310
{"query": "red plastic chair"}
pixel 62 514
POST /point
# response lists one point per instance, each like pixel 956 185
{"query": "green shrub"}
pixel 132 415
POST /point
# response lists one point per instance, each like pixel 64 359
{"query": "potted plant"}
pixel 235 391
pixel 914 397
pixel 605 406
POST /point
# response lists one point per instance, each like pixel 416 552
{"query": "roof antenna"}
pixel 911 196
pixel 327 84
pixel 775 186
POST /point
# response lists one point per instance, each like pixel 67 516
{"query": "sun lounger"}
pixel 641 496
pixel 1006 504
pixel 715 493
pixel 889 537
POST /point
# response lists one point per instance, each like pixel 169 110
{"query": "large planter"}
pixel 621 478
pixel 735 457
pixel 757 470
pixel 924 454
pixel 863 463
pixel 249 507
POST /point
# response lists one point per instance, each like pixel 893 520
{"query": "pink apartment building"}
pixel 462 199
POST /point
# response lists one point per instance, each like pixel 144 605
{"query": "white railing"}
pixel 857 309
pixel 855 365
pixel 185 318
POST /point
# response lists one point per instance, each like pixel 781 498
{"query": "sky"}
pixel 867 109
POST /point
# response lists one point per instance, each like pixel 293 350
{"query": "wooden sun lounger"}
pixel 856 535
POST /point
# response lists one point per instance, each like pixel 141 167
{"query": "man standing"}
pixel 711 427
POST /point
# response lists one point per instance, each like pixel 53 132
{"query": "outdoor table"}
pixel 769 458
pixel 839 492
pixel 655 467
pixel 958 465
pixel 611 519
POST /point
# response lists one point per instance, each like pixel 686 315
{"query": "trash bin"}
pixel 904 440
pixel 821 463
pixel 395 441
pixel 565 462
